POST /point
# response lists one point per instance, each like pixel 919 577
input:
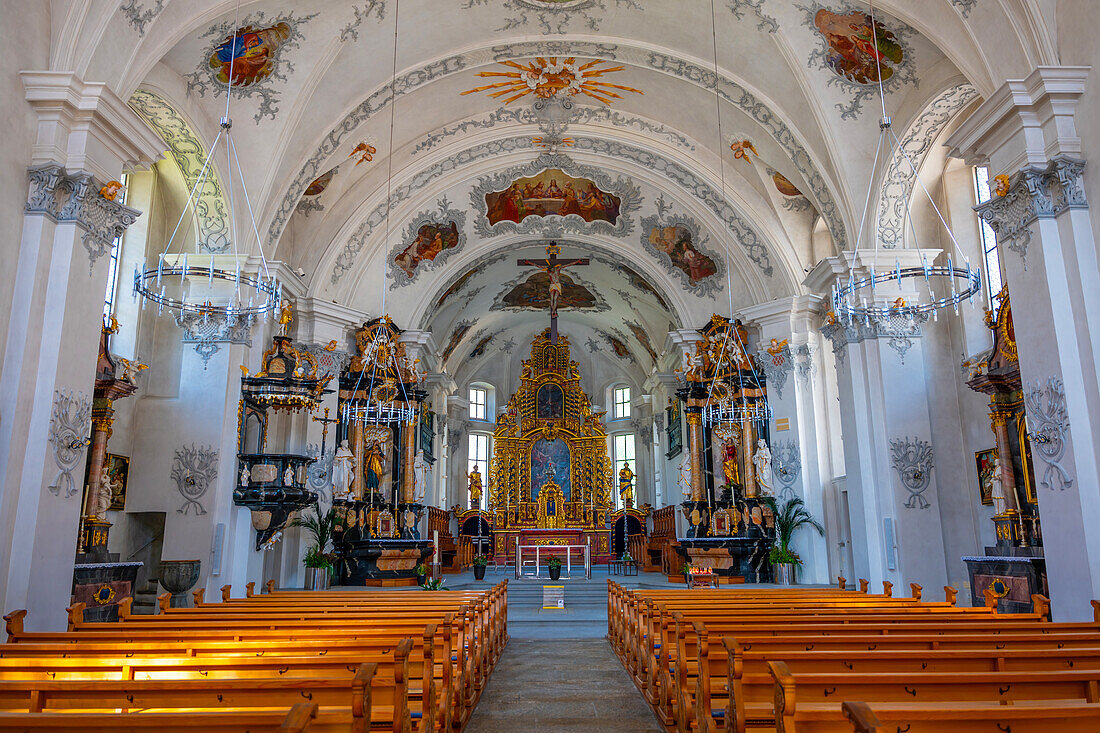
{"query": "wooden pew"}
pixel 300 718
pixel 1021 717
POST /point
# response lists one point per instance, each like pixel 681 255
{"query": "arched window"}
pixel 990 256
pixel 482 402
pixel 479 456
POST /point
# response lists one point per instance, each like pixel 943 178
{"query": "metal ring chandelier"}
pixel 851 304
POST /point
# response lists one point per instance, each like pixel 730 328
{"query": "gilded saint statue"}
pixel 475 487
pixel 373 462
pixel 285 317
pixel 626 485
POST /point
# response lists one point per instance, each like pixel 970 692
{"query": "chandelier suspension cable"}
pixel 148 281
pixel 845 298
pixel 725 238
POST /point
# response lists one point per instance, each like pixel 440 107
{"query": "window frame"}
pixel 626 408
pixel 473 457
pixel 619 444
pixel 483 405
pixel 987 238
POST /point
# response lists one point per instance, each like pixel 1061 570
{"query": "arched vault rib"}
pixel 665 61
pixel 746 238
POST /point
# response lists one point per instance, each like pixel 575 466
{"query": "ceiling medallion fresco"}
pixel 429 240
pixel 550 76
pixel 677 243
pixel 593 201
pixel 552 192
pixel 854 52
pixel 254 51
pixel 553 16
pixel 642 335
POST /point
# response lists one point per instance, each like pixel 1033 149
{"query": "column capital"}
pixel 1026 122
pixel 85 126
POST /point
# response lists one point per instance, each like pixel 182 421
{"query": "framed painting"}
pixel 426 437
pixel 674 429
pixel 984 464
pixel 116 469
pixel 550 402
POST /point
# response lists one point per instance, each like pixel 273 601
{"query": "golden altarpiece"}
pixel 550 474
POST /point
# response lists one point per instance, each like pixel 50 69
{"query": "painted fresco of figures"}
pixel 675 241
pixel 250 52
pixel 549 402
pixel 431 239
pixel 552 193
pixel 534 292
pixel 855 51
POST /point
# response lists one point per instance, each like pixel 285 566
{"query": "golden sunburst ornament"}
pixel 551 76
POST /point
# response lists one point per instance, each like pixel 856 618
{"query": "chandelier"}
pixel 386 389
pixel 199 288
pixel 947 286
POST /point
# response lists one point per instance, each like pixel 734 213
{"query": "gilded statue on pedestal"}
pixel 626 485
pixel 373 461
pixel 474 478
pixel 729 463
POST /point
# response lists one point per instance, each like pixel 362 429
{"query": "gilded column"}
pixel 356 432
pixel 998 419
pixel 408 455
pixel 102 418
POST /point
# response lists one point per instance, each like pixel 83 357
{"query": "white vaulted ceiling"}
pixel 328 90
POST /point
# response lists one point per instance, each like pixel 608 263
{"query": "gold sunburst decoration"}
pixel 550 76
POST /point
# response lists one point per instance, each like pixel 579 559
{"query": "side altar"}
pixel 550 475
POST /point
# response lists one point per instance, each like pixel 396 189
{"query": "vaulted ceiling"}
pixel 761 181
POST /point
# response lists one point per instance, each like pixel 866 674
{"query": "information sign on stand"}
pixel 553 596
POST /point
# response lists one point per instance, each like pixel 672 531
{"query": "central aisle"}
pixel 561 686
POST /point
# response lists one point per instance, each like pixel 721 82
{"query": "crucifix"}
pixel 553 267
pixel 325 421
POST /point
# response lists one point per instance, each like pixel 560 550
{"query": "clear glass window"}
pixel 622 451
pixel 622 402
pixel 991 257
pixel 479 456
pixel 479 399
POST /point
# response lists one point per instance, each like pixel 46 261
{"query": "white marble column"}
pixel 86 137
pixel 1027 130
pixel 889 449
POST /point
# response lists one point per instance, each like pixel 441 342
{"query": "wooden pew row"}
pixel 301 718
pixel 286 676
pixel 1031 716
pixel 819 697
pixel 372 700
pixel 671 686
pixel 470 661
pixel 719 683
pixel 452 691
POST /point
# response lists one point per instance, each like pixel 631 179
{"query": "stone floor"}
pixel 561 686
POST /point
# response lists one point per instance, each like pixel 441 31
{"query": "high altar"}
pixel 550 476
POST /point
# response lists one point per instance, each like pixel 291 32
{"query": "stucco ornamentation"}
pixel 190 155
pixel 70 425
pixel 1048 421
pixel 764 22
pixel 1034 193
pixel 377 8
pixel 706 286
pixel 194 470
pixel 786 465
pixel 138 15
pixel 912 459
pixel 553 16
pixel 206 332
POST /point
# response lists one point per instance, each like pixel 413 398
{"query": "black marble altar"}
pixel 1021 570
pixel 739 557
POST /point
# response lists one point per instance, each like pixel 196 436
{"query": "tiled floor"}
pixel 561 686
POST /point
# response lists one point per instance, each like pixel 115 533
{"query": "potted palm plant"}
pixel 789 518
pixel 480 561
pixel 421 571
pixel 554 563
pixel 687 568
pixel 318 559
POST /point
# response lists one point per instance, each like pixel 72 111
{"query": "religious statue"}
pixel 475 487
pixel 288 476
pixel 246 476
pixel 373 462
pixel 626 485
pixel 285 317
pixel 103 495
pixel 343 467
pixel 553 266
pixel 420 475
pixel 729 463
pixel 997 492
pixel 762 460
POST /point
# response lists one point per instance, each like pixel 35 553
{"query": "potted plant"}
pixel 788 519
pixel 421 571
pixel 686 569
pixel 318 560
pixel 554 563
pixel 480 561
pixel 626 557
pixel 433 584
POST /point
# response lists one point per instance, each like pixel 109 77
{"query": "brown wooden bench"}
pixel 1030 716
pixel 302 717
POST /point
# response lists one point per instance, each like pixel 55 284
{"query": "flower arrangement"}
pixel 433 584
pixel 481 560
pixel 553 562
pixel 626 557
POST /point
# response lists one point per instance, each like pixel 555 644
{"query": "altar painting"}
pixel 550 462
pixel 984 460
pixel 552 192
pixel 549 402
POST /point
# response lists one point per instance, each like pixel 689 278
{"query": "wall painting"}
pixel 853 53
pixel 549 402
pixel 550 462
pixel 676 242
pixel 430 241
pixel 534 292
